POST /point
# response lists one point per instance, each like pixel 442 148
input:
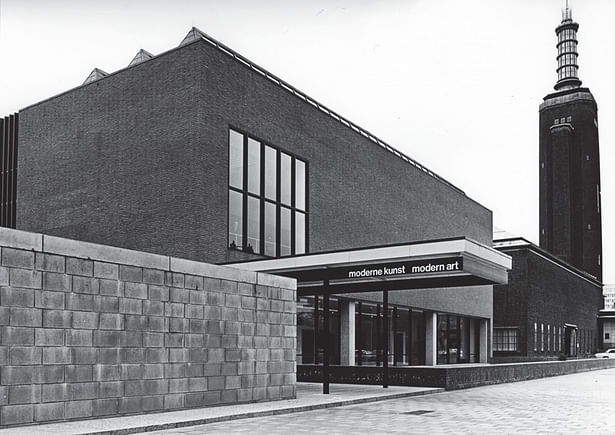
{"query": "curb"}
pixel 281 411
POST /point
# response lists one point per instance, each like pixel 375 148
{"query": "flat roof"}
pixel 429 264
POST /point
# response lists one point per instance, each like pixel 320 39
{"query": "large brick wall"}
pixel 543 290
pixel 139 159
pixel 89 330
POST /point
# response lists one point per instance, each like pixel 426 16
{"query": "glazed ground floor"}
pixel 358 329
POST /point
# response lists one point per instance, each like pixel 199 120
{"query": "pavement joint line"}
pixel 266 413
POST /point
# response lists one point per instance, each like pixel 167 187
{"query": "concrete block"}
pixel 16 297
pixel 232 327
pixel 83 390
pixel 271 280
pixel 111 389
pixel 194 340
pixel 230 369
pixel 198 384
pixel 133 355
pixel 48 374
pixel 106 372
pixel 106 270
pixel 245 289
pixel 106 338
pixel 259 393
pixel 212 285
pixel 179 355
pixel 158 293
pixel 87 355
pixel 130 306
pixel 32 317
pixel 246 368
pixel 175 370
pixel 152 403
pixel 131 273
pixel 21 394
pixel 248 355
pixel 153 276
pixel 277 305
pixel 4 276
pixel 57 355
pixel 194 370
pixel 212 369
pixel 194 311
pixel 57 282
pixel 109 254
pixel 148 387
pixel 244 395
pixel 198 326
pixel 153 339
pixel 248 302
pixel 17 336
pixel 175 279
pixel 158 324
pixel 80 302
pixel 232 355
pixel 57 319
pixel 104 407
pixel 192 400
pixel 263 329
pixel 17 258
pixel 82 284
pixel 228 396
pixel 48 411
pixel 85 320
pixel 153 308
pixel 20 355
pixel 179 385
pixel 135 290
pixel 47 299
pixel 4 356
pixel 215 355
pixel 232 300
pixel 213 340
pixel 16 414
pixel 180 295
pixel 276 330
pixel 79 337
pixel 21 239
pixel 245 341
pixel 108 287
pixel 197 297
pixel 153 355
pixel 194 282
pixel 215 298
pixel 78 373
pixel 229 287
pixel 178 325
pixel 55 392
pixel 212 312
pixel 111 321
pixel 136 323
pixel 248 328
pixel 130 405
pixel 79 266
pixel 78 409
pixel 173 401
pixel 131 338
pixel 50 263
pixel 109 356
pixel 172 309
pixel 107 304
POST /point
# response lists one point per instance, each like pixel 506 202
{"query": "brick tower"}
pixel 570 223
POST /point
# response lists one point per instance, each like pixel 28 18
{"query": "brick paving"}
pixel 578 403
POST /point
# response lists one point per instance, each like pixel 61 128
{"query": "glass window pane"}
pixel 284 231
pixel 271 160
pixel 235 220
pixel 254 219
pixel 235 159
pixel 270 226
pixel 254 166
pixel 299 233
pixel 285 178
pixel 300 184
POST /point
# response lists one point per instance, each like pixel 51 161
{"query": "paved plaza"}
pixel 578 403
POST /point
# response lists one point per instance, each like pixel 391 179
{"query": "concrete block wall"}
pixel 90 330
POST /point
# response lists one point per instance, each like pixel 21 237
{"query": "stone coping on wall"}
pixel 18 239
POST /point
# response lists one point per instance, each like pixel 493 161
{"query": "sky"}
pixel 455 85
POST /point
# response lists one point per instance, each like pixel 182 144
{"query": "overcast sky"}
pixel 454 84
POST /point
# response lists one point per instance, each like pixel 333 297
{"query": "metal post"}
pixel 326 346
pixel 359 334
pixel 385 347
pixel 316 329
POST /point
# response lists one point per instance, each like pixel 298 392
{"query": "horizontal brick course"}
pixel 85 337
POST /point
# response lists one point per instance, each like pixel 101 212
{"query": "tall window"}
pixel 267 211
pixel 505 339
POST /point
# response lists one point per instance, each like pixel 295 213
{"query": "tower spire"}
pixel 567 67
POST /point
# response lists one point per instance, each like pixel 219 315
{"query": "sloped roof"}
pixel 141 56
pixel 96 74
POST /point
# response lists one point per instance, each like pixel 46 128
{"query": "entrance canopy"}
pixel 428 264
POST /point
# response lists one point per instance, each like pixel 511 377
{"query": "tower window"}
pixel 267 198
